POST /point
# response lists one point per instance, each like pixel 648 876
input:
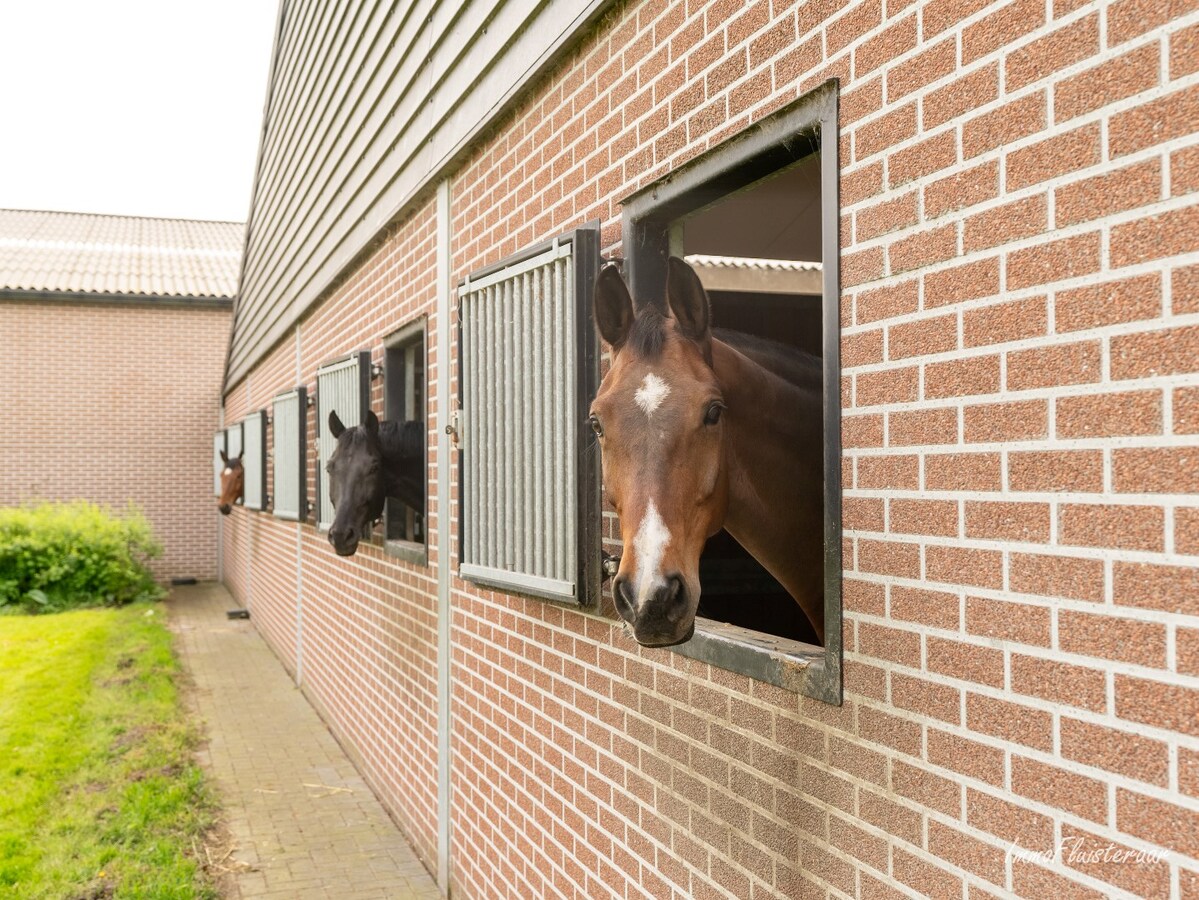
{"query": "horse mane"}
pixel 797 367
pixel 402 440
pixel 234 463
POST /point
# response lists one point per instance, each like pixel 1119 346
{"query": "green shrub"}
pixel 58 556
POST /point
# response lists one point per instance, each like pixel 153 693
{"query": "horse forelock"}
pixel 354 438
pixel 647 335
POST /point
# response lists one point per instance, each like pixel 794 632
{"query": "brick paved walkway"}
pixel 300 815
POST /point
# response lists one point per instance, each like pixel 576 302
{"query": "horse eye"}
pixel 712 416
pixel 596 426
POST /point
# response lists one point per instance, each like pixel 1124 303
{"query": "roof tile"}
pixel 43 252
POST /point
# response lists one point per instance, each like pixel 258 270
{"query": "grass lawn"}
pixel 99 793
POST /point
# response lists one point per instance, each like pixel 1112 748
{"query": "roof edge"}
pixel 182 301
pixel 69 212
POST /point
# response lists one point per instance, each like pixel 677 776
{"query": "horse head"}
pixel 232 483
pixel 357 484
pixel 658 416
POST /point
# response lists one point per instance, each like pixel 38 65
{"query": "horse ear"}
pixel 688 301
pixel 372 422
pixel 613 306
pixel 335 426
pixel 224 458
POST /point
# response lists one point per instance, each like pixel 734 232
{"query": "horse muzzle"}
pixel 225 509
pixel 344 548
pixel 344 541
pixel 665 616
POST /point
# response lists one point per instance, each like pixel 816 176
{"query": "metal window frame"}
pixel 259 463
pixel 220 444
pixel 363 360
pixel 301 394
pixel 416 552
pixel 782 138
pixel 585 244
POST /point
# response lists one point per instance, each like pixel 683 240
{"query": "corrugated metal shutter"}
pixel 233 444
pixel 254 459
pixel 342 387
pixel 527 369
pixel 289 431
pixel 218 464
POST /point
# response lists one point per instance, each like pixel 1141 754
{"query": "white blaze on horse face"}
pixel 652 392
pixel 650 543
pixel 227 472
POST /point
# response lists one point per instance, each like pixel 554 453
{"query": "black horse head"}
pixel 372 461
pixel 356 482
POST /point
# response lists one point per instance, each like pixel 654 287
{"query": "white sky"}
pixel 133 107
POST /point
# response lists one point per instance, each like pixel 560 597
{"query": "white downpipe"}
pixel 303 514
pixel 444 325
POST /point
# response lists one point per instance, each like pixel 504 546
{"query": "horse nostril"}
pixel 624 600
pixel 670 596
pixel 343 537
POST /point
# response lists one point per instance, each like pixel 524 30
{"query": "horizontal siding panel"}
pixel 368 105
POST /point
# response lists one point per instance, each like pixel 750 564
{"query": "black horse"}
pixel 373 461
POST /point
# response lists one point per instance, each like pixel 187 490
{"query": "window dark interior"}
pixel 777 218
pixel 404 400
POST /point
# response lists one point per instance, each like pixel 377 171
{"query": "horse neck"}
pixel 399 440
pixel 768 415
pixel 402 447
pixel 773 441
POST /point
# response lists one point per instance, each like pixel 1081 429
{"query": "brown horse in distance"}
pixel 698 432
pixel 233 478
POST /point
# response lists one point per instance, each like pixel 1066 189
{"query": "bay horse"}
pixel 699 431
pixel 372 461
pixel 233 478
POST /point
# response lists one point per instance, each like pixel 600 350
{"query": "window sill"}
pixel 787 664
pixel 408 551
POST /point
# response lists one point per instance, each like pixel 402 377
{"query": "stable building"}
pixel 978 218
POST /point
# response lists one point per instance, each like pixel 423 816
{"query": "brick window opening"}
pixel 757 218
pixel 404 401
pixel 218 464
pixel 233 449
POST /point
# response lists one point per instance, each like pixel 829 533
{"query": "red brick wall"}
pixel 317 609
pixel 115 403
pixel 1021 399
